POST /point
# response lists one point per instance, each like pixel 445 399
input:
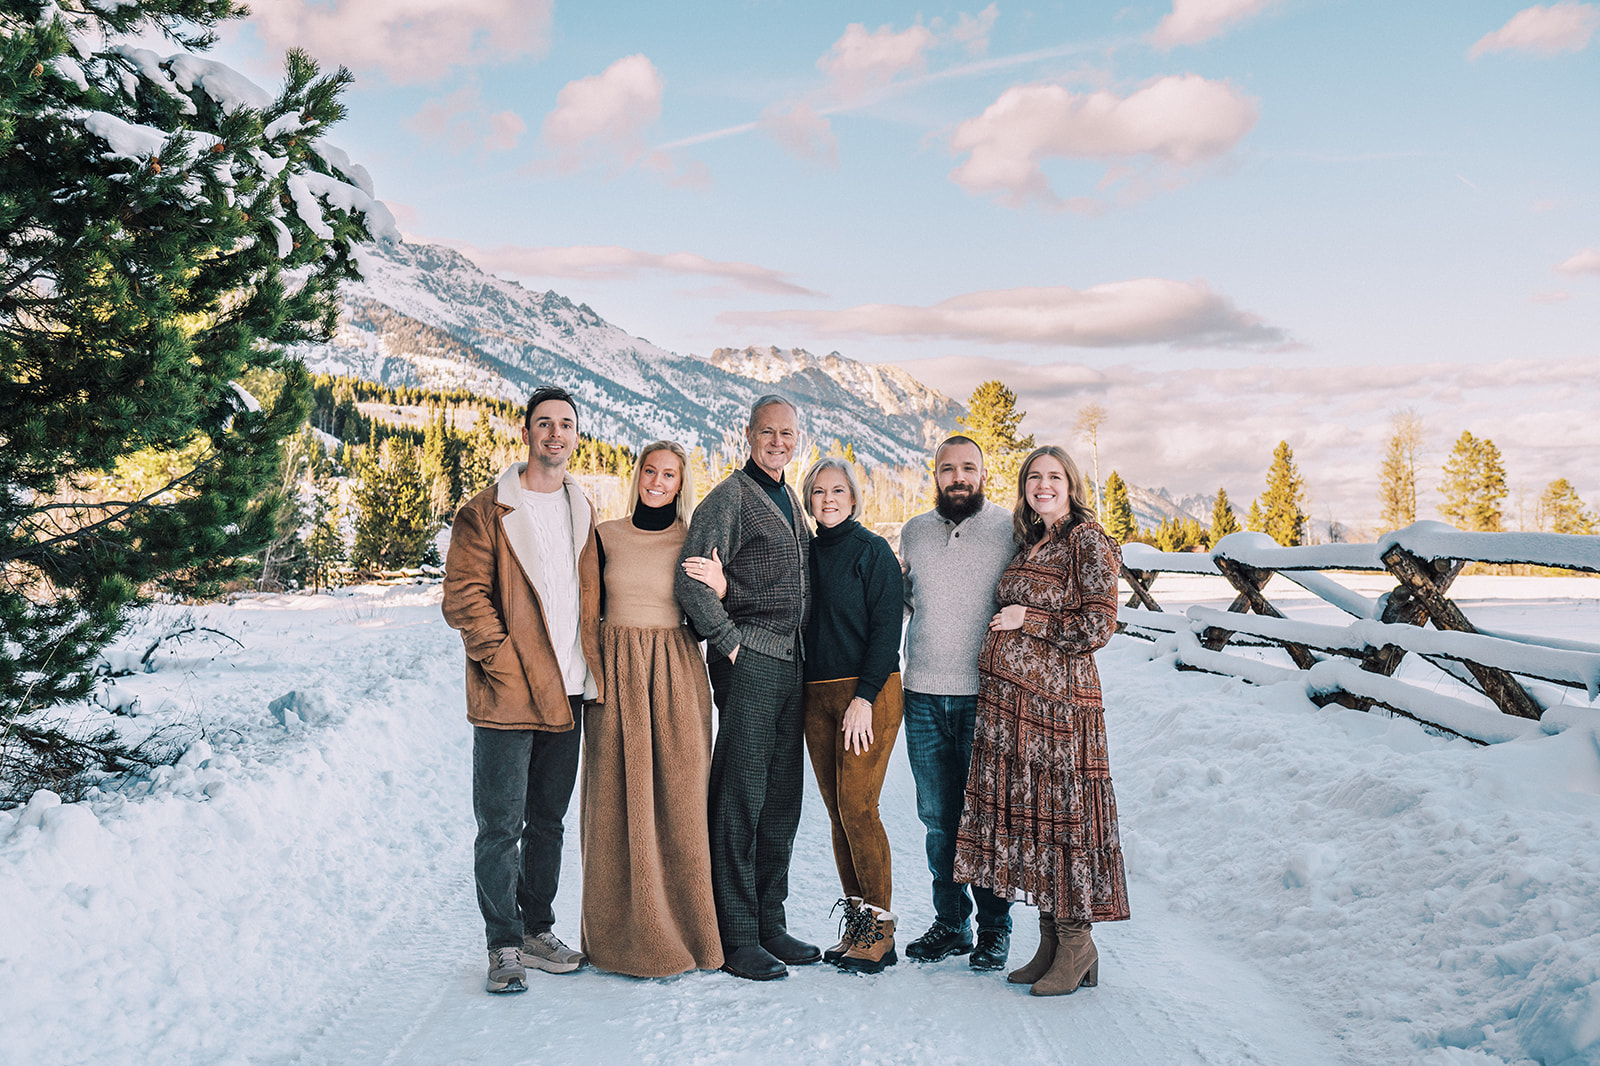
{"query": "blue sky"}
pixel 1230 222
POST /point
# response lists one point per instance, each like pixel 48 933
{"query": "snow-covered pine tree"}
pixel 1119 523
pixel 1474 484
pixel 1283 515
pixel 165 225
pixel 1223 520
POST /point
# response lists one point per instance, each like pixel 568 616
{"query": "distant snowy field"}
pixel 1309 885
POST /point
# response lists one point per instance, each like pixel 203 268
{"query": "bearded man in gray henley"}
pixel 953 557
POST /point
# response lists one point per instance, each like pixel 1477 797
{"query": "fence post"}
pixel 1506 692
pixel 1249 581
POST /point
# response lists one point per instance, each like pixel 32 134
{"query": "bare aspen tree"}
pixel 1397 478
pixel 1091 416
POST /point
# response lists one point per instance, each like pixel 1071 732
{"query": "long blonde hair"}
pixel 1027 528
pixel 684 501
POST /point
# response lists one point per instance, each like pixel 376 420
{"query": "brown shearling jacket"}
pixel 491 595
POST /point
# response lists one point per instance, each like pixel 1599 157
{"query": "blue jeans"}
pixel 938 731
pixel 521 784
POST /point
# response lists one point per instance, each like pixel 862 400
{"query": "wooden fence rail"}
pixel 1354 664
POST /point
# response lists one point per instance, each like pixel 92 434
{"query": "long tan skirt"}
pixel 647 906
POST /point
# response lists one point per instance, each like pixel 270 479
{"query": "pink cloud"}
pixel 1177 121
pixel 409 41
pixel 604 117
pixel 972 31
pixel 1193 21
pixel 1117 314
pixel 460 120
pixel 861 61
pixel 1563 27
pixel 1585 262
pixel 612 263
pixel 802 132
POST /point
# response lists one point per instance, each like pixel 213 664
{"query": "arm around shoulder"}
pixel 715 526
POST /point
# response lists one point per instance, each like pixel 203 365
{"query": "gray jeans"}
pixel 521 785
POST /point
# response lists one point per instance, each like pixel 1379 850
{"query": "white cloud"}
pixel 611 263
pixel 1585 262
pixel 1193 21
pixel 1176 121
pixel 605 116
pixel 410 41
pixel 461 120
pixel 1563 27
pixel 861 61
pixel 1218 426
pixel 1118 314
pixel 802 132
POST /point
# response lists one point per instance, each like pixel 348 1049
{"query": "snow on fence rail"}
pixel 1354 664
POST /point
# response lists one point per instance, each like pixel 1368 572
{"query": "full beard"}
pixel 958 510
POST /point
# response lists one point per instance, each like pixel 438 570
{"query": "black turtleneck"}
pixel 857 601
pixel 654 519
pixel 774 488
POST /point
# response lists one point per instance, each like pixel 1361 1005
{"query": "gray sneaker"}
pixel 546 951
pixel 506 973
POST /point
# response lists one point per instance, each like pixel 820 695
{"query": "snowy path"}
pixel 1167 995
pixel 1309 886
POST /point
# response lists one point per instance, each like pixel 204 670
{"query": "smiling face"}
pixel 1048 489
pixel 831 501
pixel 773 434
pixel 660 478
pixel 551 434
pixel 958 478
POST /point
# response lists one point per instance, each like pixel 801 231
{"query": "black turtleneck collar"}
pixel 834 534
pixel 764 479
pixel 654 519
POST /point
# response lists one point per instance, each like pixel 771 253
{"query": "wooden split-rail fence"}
pixel 1354 664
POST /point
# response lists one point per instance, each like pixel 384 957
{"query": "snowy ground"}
pixel 1309 885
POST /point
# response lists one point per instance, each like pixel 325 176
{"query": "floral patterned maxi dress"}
pixel 1040 817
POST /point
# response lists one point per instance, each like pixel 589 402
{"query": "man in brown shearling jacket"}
pixel 522 584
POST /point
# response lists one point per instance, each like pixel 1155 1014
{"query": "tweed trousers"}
pixel 756 782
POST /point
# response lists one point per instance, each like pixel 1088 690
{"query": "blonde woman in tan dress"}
pixel 647 904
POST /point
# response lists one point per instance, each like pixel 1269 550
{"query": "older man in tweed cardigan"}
pixel 755 525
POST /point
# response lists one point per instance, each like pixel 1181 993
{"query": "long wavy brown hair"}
pixel 1027 528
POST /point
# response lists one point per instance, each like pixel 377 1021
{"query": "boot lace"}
pixel 862 928
pixel 847 920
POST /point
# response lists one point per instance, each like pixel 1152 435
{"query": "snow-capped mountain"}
pixel 1152 506
pixel 426 315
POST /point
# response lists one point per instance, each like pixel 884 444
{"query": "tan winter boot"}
pixel 851 905
pixel 1040 963
pixel 1077 963
pixel 871 941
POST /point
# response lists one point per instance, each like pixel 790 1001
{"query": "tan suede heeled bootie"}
pixel 1039 965
pixel 1077 963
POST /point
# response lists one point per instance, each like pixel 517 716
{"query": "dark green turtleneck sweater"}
pixel 856 607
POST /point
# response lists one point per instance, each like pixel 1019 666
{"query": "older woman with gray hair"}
pixel 853 702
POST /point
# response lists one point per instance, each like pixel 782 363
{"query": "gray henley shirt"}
pixel 951 573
